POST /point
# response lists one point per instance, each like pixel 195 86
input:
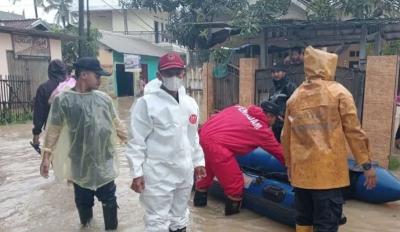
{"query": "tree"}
pixel 329 10
pixel 62 10
pixel 190 19
pixel 70 47
pixel 36 4
pixel 322 10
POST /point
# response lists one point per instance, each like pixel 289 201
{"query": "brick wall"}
pixel 380 88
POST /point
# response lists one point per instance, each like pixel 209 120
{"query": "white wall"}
pixel 97 5
pixel 102 20
pixel 55 49
pixel 138 20
pixel 5 44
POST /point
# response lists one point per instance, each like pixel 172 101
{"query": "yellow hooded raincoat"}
pixel 320 119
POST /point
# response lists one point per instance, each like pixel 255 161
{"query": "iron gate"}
pixel 15 99
pixel 34 70
pixel 226 90
pixel 353 80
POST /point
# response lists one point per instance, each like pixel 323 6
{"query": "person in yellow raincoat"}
pixel 320 119
pixel 80 141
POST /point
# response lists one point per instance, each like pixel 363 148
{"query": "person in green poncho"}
pixel 82 131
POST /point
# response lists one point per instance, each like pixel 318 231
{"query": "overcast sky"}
pixel 27 5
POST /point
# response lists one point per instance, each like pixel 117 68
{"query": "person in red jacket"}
pixel 235 130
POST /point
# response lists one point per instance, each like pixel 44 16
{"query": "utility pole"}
pixel 125 14
pixel 81 28
pixel 88 19
pixel 35 6
pixel 363 48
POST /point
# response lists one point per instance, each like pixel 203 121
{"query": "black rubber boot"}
pixel 85 215
pixel 179 230
pixel 343 220
pixel 200 199
pixel 232 207
pixel 110 215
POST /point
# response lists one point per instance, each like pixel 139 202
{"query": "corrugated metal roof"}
pixel 130 45
pixel 13 30
pixel 25 24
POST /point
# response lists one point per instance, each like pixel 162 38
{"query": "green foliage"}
pixel 220 55
pixel 8 117
pixel 189 18
pixel 394 163
pixel 70 48
pixel 61 7
pixel 322 10
pixel 329 10
pixel 391 48
pixel 252 17
pixel 183 26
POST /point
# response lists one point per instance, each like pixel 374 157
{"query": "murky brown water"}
pixel 29 202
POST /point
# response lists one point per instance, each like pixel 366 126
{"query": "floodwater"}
pixel 29 202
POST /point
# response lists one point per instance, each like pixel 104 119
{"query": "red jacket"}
pixel 241 130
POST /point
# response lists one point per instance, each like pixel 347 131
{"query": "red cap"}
pixel 171 60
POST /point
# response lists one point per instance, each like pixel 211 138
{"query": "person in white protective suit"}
pixel 163 148
pixel 80 141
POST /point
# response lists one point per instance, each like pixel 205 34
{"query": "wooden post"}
pixel 247 71
pixel 378 43
pixel 363 48
pixel 208 91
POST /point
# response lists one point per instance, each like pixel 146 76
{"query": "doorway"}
pixel 34 70
pixel 125 83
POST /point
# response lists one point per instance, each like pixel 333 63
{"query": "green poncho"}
pixel 81 136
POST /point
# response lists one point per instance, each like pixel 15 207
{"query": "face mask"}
pixel 172 83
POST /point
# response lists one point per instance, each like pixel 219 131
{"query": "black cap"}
pixel 279 67
pixel 269 107
pixel 90 64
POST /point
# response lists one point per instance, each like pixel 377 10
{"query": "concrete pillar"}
pixel 248 67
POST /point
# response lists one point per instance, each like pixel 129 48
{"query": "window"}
pixel 354 53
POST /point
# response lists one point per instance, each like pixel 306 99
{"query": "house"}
pixel 117 51
pixel 36 24
pixel 26 47
pixel 281 37
pixel 142 23
pixel 132 35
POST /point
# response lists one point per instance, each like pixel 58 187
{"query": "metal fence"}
pixel 15 99
pixel 353 80
pixel 226 90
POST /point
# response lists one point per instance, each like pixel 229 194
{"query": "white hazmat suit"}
pixel 163 147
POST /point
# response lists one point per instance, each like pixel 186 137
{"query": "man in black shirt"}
pixel 57 73
pixel 281 92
